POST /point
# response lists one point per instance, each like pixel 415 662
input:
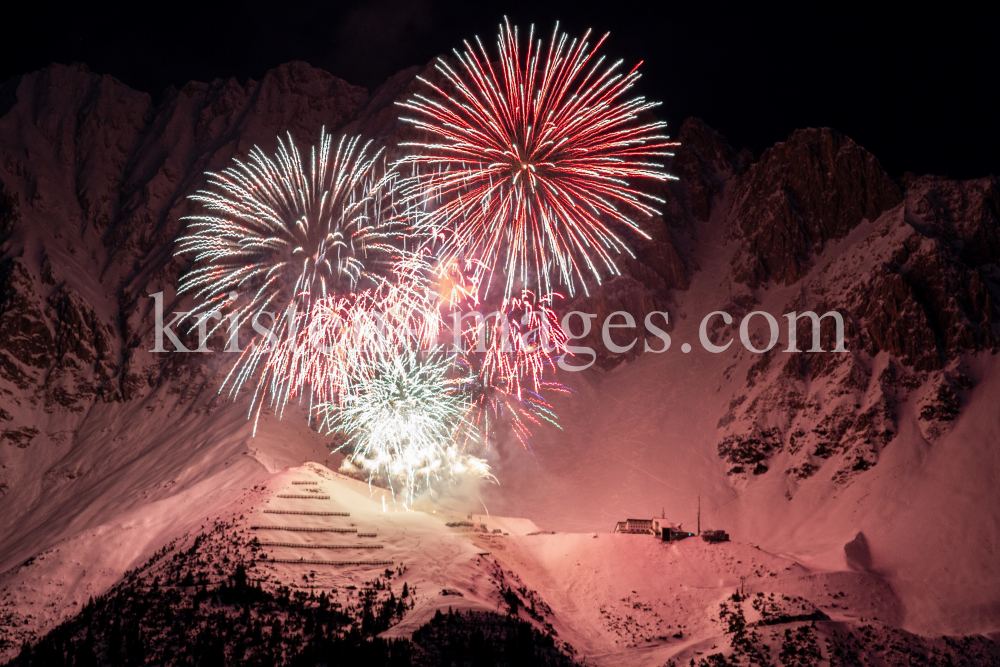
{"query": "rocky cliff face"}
pixel 93 181
pixel 802 194
pixel 94 178
pixel 912 269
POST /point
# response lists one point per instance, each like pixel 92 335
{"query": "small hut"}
pixel 635 526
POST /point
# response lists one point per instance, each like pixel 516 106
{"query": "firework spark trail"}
pixel 292 230
pixel 530 169
pixel 496 372
pixel 503 358
pixel 517 339
pixel 288 233
pixel 400 421
pixel 520 340
pixel 413 415
pixel 495 404
pixel 457 288
pixel 346 335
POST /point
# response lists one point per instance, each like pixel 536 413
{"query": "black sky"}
pixel 916 87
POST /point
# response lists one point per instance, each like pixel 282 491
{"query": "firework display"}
pixel 530 161
pixel 345 334
pixel 504 357
pixel 287 233
pixel 371 292
pixel 400 417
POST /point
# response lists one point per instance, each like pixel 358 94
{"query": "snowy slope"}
pixel 615 599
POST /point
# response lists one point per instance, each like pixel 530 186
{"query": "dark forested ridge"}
pixel 211 604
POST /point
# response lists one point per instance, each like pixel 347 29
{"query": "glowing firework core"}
pixel 531 168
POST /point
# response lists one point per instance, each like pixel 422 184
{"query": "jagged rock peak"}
pixel 813 188
pixel 704 161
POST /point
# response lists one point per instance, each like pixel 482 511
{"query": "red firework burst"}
pixel 504 357
pixel 532 159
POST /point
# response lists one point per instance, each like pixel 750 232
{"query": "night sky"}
pixel 914 87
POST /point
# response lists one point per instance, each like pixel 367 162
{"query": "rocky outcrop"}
pixel 57 345
pixel 705 164
pixel 918 295
pixel 10 210
pixel 813 188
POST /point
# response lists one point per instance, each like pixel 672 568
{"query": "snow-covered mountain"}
pixel 108 451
